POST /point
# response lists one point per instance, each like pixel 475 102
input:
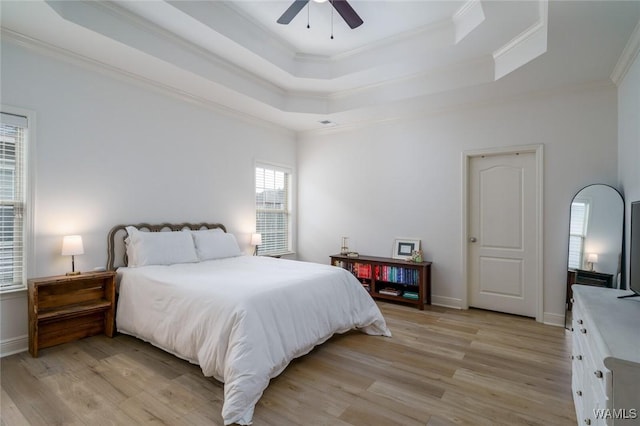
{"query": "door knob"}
pixel 472 239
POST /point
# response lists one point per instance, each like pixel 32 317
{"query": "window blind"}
pixel 273 213
pixel 577 233
pixel 13 133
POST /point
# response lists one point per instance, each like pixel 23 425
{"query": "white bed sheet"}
pixel 243 319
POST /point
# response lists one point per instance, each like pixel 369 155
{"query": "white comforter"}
pixel 243 319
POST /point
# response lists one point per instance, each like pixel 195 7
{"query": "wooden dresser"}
pixel 605 356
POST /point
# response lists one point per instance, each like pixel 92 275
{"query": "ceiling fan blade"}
pixel 348 14
pixel 292 11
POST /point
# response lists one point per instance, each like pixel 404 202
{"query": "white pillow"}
pixel 159 248
pixel 215 245
pixel 205 231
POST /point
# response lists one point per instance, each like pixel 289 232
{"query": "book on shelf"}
pixel 397 274
pixel 360 270
pixel 390 291
pixel 363 270
pixel 410 295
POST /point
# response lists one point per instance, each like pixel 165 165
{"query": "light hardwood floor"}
pixel 441 367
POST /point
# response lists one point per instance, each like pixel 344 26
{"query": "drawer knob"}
pixel 579 393
pixel 573 300
pixel 583 330
pixel 580 322
pixel 579 357
pixel 598 374
pixel 587 421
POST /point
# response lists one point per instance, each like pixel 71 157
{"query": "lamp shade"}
pixel 72 245
pixel 593 258
pixel 256 239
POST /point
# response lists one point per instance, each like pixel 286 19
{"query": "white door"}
pixel 502 236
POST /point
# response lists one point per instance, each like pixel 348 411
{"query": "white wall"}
pixel 403 179
pixel 629 142
pixel 110 151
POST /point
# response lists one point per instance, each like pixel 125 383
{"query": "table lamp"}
pixel 72 246
pixel 256 240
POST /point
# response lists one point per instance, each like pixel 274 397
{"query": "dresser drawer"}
pixel 605 357
pixel 577 363
pixel 595 371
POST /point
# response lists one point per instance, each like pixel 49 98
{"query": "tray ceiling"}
pixel 408 55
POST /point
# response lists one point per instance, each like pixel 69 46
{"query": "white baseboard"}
pixel 553 319
pixel 14 345
pixel 447 302
pixel 451 302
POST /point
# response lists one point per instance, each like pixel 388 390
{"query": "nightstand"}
pixel 65 308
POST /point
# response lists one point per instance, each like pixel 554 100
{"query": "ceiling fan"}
pixel 342 7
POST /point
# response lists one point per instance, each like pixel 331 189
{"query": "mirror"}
pixel 595 240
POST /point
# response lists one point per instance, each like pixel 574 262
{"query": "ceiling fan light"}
pixel 320 1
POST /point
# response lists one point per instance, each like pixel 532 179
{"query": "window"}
pixel 13 139
pixel 273 209
pixel 577 232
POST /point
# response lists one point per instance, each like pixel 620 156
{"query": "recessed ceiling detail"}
pixel 426 59
pixel 235 54
pixel 526 46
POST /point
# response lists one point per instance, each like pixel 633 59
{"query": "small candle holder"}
pixel 344 249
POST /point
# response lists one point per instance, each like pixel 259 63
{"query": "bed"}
pixel 241 318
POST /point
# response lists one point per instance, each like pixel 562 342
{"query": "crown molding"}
pixel 525 47
pixel 152 29
pixel 273 90
pixel 473 64
pixel 466 8
pixel 100 67
pixel 271 38
pixel 543 9
pixel 268 41
pixel 293 97
pixel 592 86
pixel 628 56
pixel 467 18
pixel 226 72
pixel 448 25
pixel 426 31
pixel 449 29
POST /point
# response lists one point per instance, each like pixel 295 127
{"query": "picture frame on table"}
pixel 403 248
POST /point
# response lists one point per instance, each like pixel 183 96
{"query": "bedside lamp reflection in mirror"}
pixel 592 258
pixel 72 246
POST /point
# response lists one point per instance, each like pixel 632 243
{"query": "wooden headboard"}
pixel 116 253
